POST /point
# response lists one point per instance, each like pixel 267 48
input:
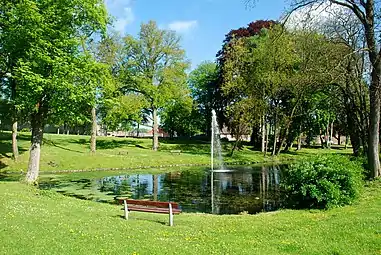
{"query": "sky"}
pixel 202 24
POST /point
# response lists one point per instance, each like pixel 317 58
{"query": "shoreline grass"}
pixel 71 152
pixel 44 222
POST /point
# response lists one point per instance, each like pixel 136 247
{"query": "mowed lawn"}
pixel 71 152
pixel 44 222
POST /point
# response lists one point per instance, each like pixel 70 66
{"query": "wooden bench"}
pixel 150 206
pixel 175 151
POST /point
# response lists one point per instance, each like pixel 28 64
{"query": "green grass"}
pixel 44 222
pixel 71 152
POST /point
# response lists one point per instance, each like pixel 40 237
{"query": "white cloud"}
pixel 127 18
pixel 123 13
pixel 118 3
pixel 183 26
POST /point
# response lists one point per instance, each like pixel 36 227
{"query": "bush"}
pixel 323 182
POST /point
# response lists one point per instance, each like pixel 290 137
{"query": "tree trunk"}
pixel 285 137
pixel 15 149
pixel 93 138
pixel 374 90
pixel 234 146
pixel 331 135
pixel 346 141
pixel 266 139
pixel 155 144
pixel 282 139
pixel 35 148
pixel 374 119
pixel 299 142
pixel 263 129
pixel 290 141
pixel 326 136
pixel 321 139
pixel 155 186
pixel 137 132
pixel 275 136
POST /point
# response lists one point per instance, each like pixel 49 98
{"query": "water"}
pixel 242 190
pixel 217 161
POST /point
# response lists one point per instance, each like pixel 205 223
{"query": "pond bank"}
pixel 63 153
pixel 249 189
pixel 83 227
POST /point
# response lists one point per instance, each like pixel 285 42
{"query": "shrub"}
pixel 323 182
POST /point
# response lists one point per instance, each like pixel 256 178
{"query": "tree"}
pixel 351 91
pixel 154 67
pixel 181 117
pixel 15 40
pixel 223 99
pixel 122 111
pixel 53 76
pixel 202 82
pixel 366 12
pixel 274 73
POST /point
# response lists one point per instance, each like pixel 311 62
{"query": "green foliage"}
pixel 120 112
pixel 202 82
pixel 70 152
pixel 180 116
pixel 154 64
pixel 116 110
pixel 53 75
pixel 274 75
pixel 323 182
pixel 74 226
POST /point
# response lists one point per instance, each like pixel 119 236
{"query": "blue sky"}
pixel 202 24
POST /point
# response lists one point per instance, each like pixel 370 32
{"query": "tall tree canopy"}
pixel 155 68
pixel 367 13
pixel 202 82
pixel 53 75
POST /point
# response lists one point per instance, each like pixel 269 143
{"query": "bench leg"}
pixel 125 210
pixel 170 215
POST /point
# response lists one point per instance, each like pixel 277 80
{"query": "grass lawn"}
pixel 71 152
pixel 44 222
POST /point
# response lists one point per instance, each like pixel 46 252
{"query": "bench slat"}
pixel 153 210
pixel 150 203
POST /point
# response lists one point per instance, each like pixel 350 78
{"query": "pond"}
pixel 249 189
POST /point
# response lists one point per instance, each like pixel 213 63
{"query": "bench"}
pixel 175 151
pixel 150 206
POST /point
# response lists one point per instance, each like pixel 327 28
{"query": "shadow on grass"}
pixel 197 149
pixel 301 152
pixel 6 151
pixel 182 141
pixel 6 145
pixel 10 177
pixel 52 143
pixel 140 219
pixel 106 144
pixel 20 136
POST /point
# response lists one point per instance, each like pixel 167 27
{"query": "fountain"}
pixel 216 159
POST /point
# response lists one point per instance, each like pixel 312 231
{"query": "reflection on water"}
pixel 246 189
